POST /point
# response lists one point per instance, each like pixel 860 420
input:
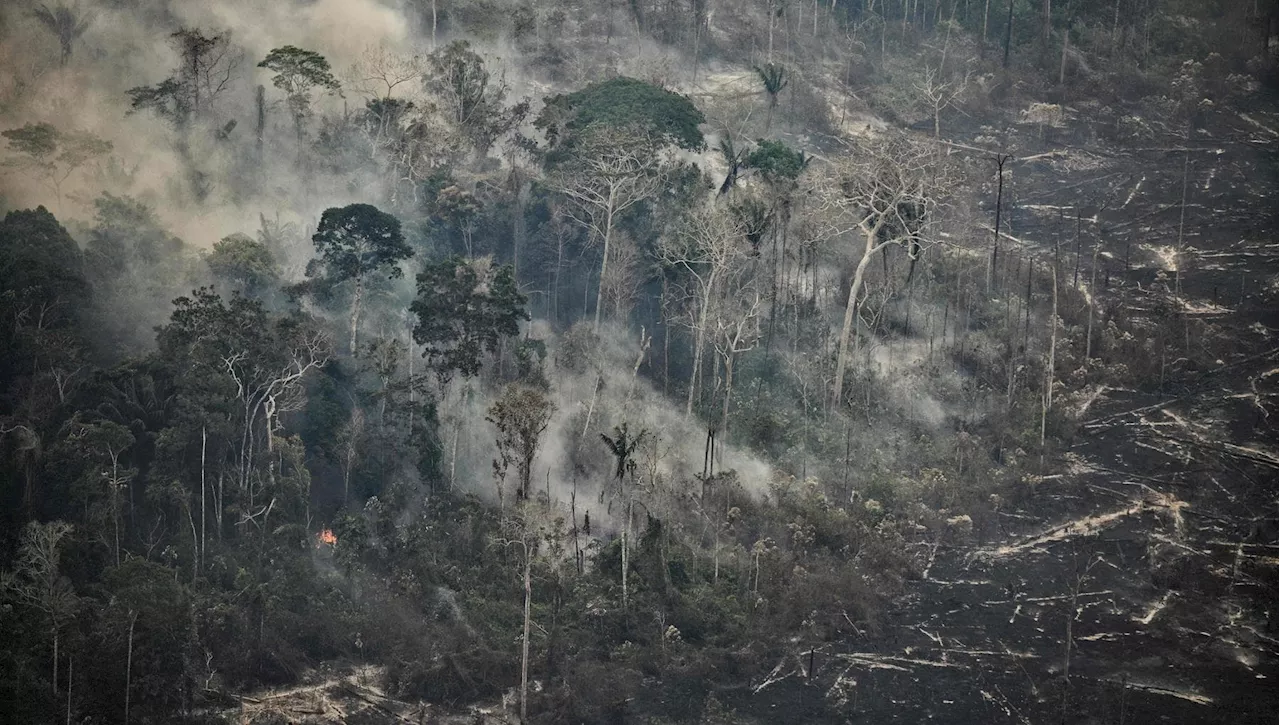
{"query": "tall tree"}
pixel 705 250
pixel 299 72
pixel 353 242
pixel 208 61
pixel 464 309
pixel 610 173
pixel 66 22
pixel 471 100
pixel 882 191
pixel 520 415
pixel 51 155
pixel 774 78
pixel 37 580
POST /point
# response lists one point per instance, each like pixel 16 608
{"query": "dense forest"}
pixel 551 361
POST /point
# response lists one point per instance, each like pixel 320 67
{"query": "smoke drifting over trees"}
pixel 601 362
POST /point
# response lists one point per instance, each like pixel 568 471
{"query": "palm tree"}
pixel 774 78
pixel 623 446
pixel 66 22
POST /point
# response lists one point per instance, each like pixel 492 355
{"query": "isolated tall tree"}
pixel 353 242
pixel 882 193
pixel 299 72
pixel 611 173
pixel 66 22
pixel 520 414
pixel 622 447
pixel 207 64
pixel 737 323
pixel 774 78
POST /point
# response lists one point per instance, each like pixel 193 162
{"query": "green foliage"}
pixel 520 414
pixel 776 162
pixel 298 73
pixel 358 239
pixel 40 263
pixel 206 62
pixel 244 264
pixel 623 103
pixel 464 311
pixel 774 78
pixel 37 140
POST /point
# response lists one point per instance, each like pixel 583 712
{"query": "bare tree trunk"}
pixel 1048 375
pixel 1008 35
pixel 626 527
pixel 698 344
pixel 728 391
pixel 355 310
pixel 995 240
pixel 1093 302
pixel 262 122
pixel 1115 35
pixel 204 440
pixel 1066 43
pixel 604 262
pixel 128 667
pixel 524 643
pixel 71 671
pixel 851 307
pixel 986 12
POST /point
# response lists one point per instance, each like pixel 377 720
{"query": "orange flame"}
pixel 326 537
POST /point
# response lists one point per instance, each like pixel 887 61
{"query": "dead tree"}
pixel 881 193
pixel 613 172
pixel 706 249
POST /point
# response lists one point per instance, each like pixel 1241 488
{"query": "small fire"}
pixel 326 537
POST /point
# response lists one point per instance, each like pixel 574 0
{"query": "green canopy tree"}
pixel 298 73
pixel 353 242
pixel 621 103
pixel 520 414
pixel 463 310
pixel 244 264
